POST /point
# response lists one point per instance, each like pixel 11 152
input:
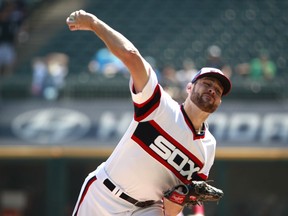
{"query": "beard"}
pixel 199 100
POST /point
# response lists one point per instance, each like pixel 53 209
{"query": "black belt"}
pixel 126 197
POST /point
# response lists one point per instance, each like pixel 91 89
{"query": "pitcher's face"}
pixel 206 94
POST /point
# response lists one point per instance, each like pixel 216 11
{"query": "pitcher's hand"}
pixel 80 20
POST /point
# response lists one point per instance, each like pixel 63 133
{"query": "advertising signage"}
pixel 103 122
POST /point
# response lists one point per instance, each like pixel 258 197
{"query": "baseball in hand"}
pixel 71 18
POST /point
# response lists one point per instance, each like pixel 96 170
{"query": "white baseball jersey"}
pixel 160 149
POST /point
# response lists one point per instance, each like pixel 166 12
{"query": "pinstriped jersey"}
pixel 160 148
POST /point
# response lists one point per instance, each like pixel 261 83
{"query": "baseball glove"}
pixel 193 194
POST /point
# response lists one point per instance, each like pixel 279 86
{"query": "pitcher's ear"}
pixel 189 87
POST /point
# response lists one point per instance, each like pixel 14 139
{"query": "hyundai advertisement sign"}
pixel 103 122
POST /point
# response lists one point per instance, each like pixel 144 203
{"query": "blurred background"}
pixel 65 103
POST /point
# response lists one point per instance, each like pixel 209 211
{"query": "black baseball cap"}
pixel 216 73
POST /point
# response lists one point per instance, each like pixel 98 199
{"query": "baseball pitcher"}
pixel 162 162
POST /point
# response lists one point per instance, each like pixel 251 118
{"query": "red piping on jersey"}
pixel 159 159
pixel 84 193
pixel 146 113
pixel 190 125
pixel 148 106
pixel 157 88
pixel 177 144
pixel 203 176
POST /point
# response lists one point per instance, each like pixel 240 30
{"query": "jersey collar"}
pixel 190 125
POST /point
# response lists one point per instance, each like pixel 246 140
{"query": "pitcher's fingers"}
pixel 73 27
